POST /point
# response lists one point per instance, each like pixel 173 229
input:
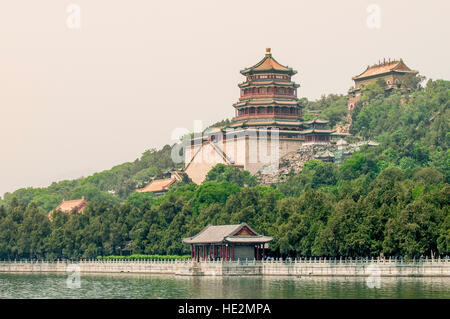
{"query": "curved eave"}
pixel 278 67
pixel 318 121
pixel 256 103
pixel 251 71
pixel 314 131
pixel 248 240
pixel 362 77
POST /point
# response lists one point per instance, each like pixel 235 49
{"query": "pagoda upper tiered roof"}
pixel 268 64
pixel 384 68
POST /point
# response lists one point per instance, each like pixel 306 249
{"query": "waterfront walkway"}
pixel 295 267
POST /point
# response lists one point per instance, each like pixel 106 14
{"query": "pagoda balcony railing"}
pixel 266 115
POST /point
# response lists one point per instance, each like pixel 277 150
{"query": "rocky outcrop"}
pixel 293 162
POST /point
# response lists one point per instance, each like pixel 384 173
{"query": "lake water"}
pixel 168 286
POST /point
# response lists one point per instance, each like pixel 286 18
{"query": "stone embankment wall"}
pixel 318 267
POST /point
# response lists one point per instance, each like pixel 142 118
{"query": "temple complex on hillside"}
pixel 161 186
pixel 228 242
pixel 392 73
pixel 267 124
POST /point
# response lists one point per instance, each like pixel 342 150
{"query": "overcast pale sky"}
pixel 77 101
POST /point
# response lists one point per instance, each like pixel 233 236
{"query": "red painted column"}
pixel 191 252
pixel 257 252
pixel 263 251
pixel 232 258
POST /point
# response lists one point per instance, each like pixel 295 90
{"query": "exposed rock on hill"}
pixel 294 162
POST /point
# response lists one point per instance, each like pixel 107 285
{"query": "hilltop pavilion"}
pixel 393 73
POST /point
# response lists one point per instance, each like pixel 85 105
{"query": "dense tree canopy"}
pixel 392 199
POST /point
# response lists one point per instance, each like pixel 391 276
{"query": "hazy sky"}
pixel 77 101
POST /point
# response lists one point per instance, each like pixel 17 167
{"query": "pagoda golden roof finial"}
pixel 268 52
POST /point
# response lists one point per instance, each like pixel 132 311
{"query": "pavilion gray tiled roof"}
pixel 248 239
pixel 223 234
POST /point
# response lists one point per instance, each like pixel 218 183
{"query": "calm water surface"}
pixel 168 286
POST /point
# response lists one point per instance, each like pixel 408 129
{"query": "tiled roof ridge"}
pixel 273 64
pixel 389 66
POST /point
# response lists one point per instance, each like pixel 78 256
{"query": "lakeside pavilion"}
pixel 228 242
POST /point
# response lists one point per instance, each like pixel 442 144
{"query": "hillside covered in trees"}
pixel 391 199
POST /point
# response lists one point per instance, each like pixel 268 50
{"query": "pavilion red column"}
pixel 263 251
pixel 191 252
pixel 257 252
pixel 232 258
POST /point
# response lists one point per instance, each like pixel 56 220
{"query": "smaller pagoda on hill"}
pixel 316 131
pixel 393 73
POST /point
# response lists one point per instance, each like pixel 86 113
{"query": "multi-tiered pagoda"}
pixel 268 101
pixel 269 98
